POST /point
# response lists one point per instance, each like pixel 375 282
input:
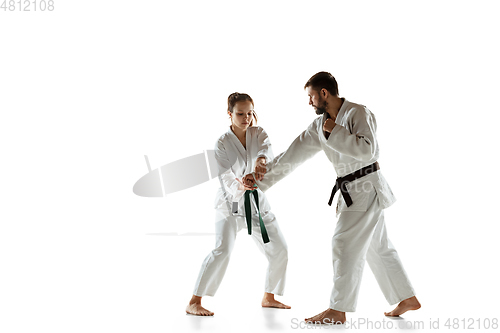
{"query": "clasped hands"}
pixel 248 182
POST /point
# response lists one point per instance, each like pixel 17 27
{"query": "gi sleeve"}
pixel 226 174
pixel 358 140
pixel 305 146
pixel 264 143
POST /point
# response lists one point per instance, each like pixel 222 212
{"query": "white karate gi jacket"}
pixel 351 145
pixel 234 161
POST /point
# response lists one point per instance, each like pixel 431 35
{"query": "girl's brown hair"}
pixel 237 97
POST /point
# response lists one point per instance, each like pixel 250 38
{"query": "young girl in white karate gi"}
pixel 243 149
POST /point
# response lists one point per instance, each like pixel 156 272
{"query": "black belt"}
pixel 341 182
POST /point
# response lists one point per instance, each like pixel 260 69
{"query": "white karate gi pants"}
pixel 361 236
pixel 215 264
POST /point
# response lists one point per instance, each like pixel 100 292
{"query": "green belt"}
pixel 248 213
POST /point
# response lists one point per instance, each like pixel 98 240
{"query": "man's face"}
pixel 316 100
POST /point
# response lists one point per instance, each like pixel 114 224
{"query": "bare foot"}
pixel 268 301
pixel 194 307
pixel 328 316
pixel 405 305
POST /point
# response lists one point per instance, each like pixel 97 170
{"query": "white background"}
pixel 90 88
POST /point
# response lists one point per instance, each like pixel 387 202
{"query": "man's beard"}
pixel 321 108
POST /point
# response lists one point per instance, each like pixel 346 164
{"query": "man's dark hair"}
pixel 323 80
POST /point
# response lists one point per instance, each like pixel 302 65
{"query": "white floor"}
pixel 237 303
pixel 97 277
pixel 129 264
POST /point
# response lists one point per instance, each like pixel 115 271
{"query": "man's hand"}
pixel 260 168
pixel 329 125
pixel 248 180
pixel 245 185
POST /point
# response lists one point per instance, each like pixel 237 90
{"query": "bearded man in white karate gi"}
pixel 345 131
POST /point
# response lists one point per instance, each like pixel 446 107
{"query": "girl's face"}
pixel 242 114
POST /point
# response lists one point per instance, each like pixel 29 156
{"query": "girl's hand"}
pixel 260 168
